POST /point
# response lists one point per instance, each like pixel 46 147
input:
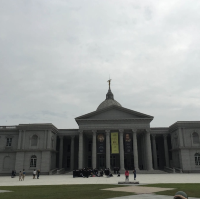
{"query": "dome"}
pixel 109 101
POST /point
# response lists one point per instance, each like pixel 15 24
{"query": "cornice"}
pixel 184 124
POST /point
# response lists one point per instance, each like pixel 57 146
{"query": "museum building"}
pixel 112 136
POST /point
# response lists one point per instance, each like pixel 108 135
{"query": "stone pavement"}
pixel 68 179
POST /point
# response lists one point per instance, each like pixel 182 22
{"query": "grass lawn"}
pixel 191 189
pixel 61 192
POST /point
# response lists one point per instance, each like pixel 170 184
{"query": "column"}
pixel 166 150
pixel 154 152
pixel 121 142
pixel 80 152
pixel 148 150
pixel 61 152
pixel 94 150
pixel 72 153
pixel 135 149
pixel 19 139
pixel 107 148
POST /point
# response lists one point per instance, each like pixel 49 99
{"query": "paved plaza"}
pixel 68 179
pixel 143 192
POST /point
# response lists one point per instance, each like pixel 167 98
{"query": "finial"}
pixel 109 82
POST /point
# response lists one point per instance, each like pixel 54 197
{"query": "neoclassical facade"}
pixel 112 136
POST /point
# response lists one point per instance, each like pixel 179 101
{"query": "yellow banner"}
pixel 114 143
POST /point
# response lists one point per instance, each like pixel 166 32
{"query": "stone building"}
pixel 112 136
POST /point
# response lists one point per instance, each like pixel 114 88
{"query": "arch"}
pixel 195 138
pixel 33 162
pixel 34 140
pixel 197 158
pixel 7 162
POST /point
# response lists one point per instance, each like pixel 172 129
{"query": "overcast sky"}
pixel 56 57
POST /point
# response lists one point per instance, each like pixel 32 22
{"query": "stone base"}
pixel 129 182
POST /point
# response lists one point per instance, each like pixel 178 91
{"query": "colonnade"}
pixel 148 152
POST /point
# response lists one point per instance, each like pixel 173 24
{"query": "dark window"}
pixel 9 142
pixel 33 162
pixel 197 158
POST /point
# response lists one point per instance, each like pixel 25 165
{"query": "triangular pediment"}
pixel 114 112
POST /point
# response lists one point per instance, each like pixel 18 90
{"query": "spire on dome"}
pixel 109 95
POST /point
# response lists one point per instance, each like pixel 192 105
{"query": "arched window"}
pixel 34 140
pixel 6 162
pixel 197 158
pixel 33 162
pixel 195 138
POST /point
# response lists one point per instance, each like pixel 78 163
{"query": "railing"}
pixel 52 172
pixel 178 170
pixel 169 170
pixel 60 171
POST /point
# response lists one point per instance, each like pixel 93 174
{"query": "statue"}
pixel 109 83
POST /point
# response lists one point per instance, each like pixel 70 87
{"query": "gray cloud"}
pixel 56 56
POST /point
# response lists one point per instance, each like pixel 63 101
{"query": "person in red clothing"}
pixel 127 174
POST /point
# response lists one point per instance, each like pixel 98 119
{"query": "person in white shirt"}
pixel 34 173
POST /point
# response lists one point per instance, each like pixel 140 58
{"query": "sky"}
pixel 57 55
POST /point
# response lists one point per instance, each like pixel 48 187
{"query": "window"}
pixel 195 138
pixel 34 140
pixel 33 162
pixel 9 142
pixel 197 158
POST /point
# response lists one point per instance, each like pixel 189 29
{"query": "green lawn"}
pixel 61 192
pixel 191 189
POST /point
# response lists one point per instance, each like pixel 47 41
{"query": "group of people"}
pixel 127 174
pixel 22 174
pixel 36 173
pixel 88 172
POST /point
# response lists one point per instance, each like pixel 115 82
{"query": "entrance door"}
pixel 101 160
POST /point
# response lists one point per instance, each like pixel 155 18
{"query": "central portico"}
pixel 110 117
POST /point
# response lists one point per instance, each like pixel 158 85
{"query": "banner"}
pixel 100 143
pixel 114 143
pixel 127 143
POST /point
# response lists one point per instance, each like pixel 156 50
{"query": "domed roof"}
pixel 109 101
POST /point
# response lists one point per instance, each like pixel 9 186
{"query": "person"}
pixel 118 174
pixel 180 195
pixel 23 174
pixel 134 172
pixel 20 176
pixel 34 173
pixel 127 174
pixel 38 174
pixel 13 174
